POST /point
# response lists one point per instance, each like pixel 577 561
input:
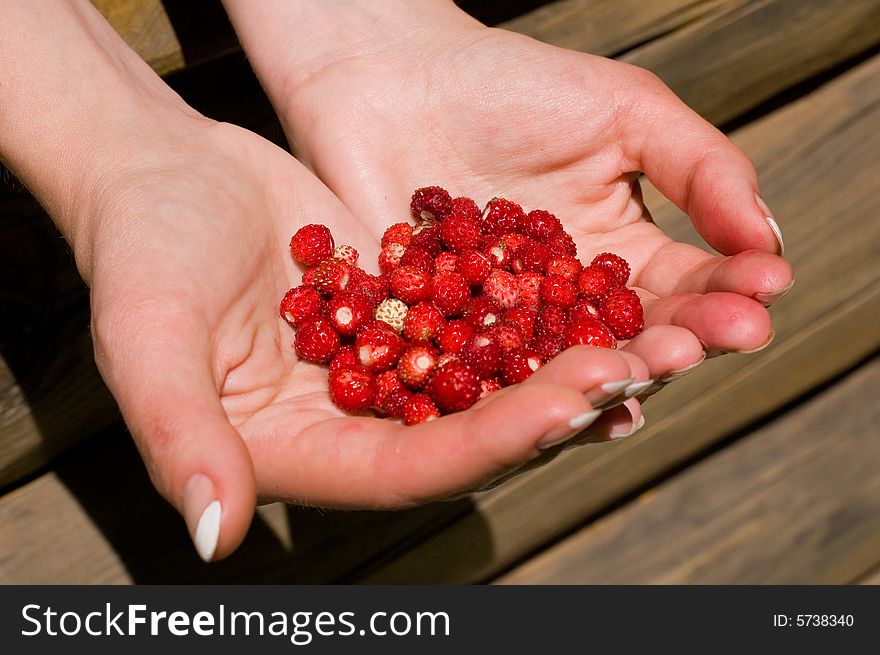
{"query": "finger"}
pixel 721 321
pixel 158 369
pixel 697 167
pixel 666 348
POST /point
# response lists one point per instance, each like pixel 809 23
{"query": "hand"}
pixel 418 94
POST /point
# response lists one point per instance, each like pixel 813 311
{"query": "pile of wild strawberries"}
pixel 467 302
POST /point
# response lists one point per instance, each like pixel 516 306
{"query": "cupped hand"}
pixel 189 262
pixel 440 99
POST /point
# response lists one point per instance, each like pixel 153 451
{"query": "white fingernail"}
pixel 635 428
pixel 777 233
pixel 613 388
pixel 761 347
pixel 636 388
pixel 208 531
pixel 681 372
pixel 564 433
pixel 770 298
pixel 582 421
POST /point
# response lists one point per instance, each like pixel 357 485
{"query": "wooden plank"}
pixel 796 502
pixel 826 190
pixel 145 27
pixel 872 578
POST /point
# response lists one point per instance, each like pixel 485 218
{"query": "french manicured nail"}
pixel 625 432
pixel 570 429
pixel 761 347
pixel 637 387
pixel 676 374
pixel 770 298
pixel 202 513
pixel 600 396
pixel 772 223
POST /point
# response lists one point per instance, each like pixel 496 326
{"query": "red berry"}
pixel 389 257
pixel 466 208
pixel 552 320
pixel 621 311
pixel 309 277
pixel 345 358
pixel 564 266
pixel 332 276
pixel 507 335
pixel 595 281
pixel 454 336
pixel 519 364
pixel 316 340
pixel 445 358
pixel 547 346
pixel 348 312
pixel 416 364
pixel 372 287
pixel 352 389
pixel 531 256
pixel 503 288
pixel 410 284
pixel 398 233
pixel 446 262
pixel 393 312
pixel 483 354
pixel 523 318
pixel 346 253
pixel 300 303
pixel 541 225
pixel 419 409
pixel 378 347
pixel 430 203
pixel 482 312
pixel 499 254
pixel 529 290
pixel 474 267
pixel 557 290
pixel 391 396
pixel 616 265
pixel 454 387
pixel 419 258
pixel 588 332
pixel 583 309
pixel 311 244
pixel 428 238
pixel 488 386
pixel 451 293
pixel 423 322
pixel 502 216
pixel 562 244
pixel 460 233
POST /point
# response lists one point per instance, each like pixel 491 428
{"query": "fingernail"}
pixel 637 387
pixel 202 513
pixel 676 374
pixel 761 347
pixel 603 394
pixel 628 431
pixel 770 298
pixel 772 223
pixel 567 431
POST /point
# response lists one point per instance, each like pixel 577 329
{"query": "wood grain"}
pixel 146 28
pixel 796 502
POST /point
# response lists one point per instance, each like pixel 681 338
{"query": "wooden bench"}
pixel 757 468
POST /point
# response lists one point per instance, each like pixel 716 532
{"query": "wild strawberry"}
pixel 562 244
pixel 454 387
pixel 514 240
pixel 416 364
pixel 564 266
pixel 316 340
pixel 311 244
pixel 482 312
pixel 428 238
pixel 308 278
pixel 398 233
pixel 352 389
pixel 460 233
pixel 616 265
pixel 595 281
pixel 503 288
pixel 583 309
pixel 332 276
pixel 420 409
pixel 419 258
pixel 346 253
pixel 446 262
pixel 507 335
pixel 523 318
pixel 557 290
pixel 532 256
pixel 430 203
pixel 372 287
pixel 410 284
pixel 378 347
pixel 423 322
pixel 393 312
pixel 488 386
pixel 622 312
pixel 552 320
pixel 518 365
pixel 391 396
pixel 541 225
pixel 450 293
pixel 529 290
pixel 454 335
pixel 300 303
pixel 497 251
pixel 588 332
pixel 348 312
pixel 389 257
pixel 466 208
pixel 483 354
pixel 502 216
pixel 546 345
pixel 346 358
pixel 446 358
pixel 474 267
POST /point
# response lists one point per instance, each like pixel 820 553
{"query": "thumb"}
pixel 160 374
pixel 698 168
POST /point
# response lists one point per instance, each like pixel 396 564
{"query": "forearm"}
pixel 77 108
